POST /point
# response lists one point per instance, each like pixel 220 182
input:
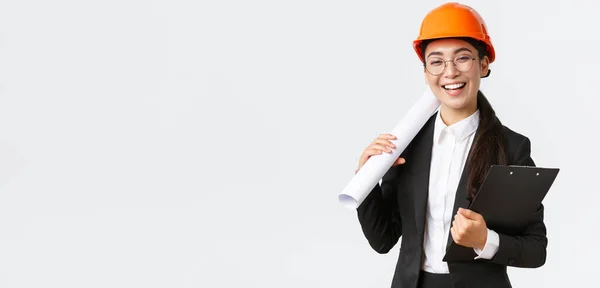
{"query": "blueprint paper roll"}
pixel 373 170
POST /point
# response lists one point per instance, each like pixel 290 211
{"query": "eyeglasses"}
pixel 436 65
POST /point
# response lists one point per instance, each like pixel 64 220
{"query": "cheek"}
pixel 431 80
pixel 474 79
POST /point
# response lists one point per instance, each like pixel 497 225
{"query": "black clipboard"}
pixel 508 199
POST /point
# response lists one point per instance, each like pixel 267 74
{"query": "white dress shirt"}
pixel 451 146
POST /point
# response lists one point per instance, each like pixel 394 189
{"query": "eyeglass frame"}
pixel 445 65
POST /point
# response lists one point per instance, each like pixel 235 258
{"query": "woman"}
pixel 423 197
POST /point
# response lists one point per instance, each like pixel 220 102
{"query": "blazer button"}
pixel 511 261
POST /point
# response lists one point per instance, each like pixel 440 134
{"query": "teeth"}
pixel 454 86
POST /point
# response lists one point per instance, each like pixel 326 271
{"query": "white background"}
pixel 204 143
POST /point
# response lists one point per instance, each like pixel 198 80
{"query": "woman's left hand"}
pixel 469 229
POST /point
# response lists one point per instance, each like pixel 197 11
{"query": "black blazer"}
pixel 397 208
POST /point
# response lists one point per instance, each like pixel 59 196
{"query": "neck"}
pixel 450 115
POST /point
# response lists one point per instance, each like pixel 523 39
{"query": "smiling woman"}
pixel 425 195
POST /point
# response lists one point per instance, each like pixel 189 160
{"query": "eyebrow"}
pixel 455 52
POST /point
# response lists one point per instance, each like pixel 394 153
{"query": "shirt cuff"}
pixel 491 246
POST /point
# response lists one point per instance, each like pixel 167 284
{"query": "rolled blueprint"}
pixel 377 165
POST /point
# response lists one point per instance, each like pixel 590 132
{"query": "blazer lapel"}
pixel 422 160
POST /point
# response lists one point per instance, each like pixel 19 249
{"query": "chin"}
pixel 455 103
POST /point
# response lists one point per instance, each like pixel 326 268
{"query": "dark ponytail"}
pixel 489 148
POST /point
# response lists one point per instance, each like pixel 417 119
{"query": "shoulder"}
pixel 513 137
pixel 518 145
pixel 422 138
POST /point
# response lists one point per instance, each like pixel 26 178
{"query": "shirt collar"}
pixel 460 130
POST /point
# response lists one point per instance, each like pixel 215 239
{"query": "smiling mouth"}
pixel 454 86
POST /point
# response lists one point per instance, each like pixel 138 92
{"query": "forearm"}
pixel 521 251
pixel 527 250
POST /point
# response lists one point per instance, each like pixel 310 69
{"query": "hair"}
pixel 489 148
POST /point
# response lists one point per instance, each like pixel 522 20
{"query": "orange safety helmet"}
pixel 454 20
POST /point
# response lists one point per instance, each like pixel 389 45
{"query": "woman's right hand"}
pixel 379 145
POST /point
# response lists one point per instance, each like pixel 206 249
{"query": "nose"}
pixel 450 71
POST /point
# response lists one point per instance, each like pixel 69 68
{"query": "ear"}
pixel 484 65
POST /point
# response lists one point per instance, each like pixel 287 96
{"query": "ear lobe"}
pixel 485 67
pixel 489 71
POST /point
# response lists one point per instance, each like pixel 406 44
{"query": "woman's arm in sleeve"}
pixel 379 215
pixel 527 250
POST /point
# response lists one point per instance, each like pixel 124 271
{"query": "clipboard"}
pixel 508 199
